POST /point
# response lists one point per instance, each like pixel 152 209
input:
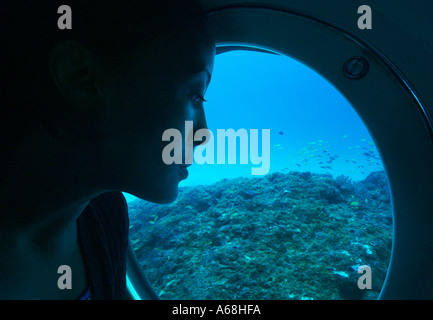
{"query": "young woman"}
pixel 82 117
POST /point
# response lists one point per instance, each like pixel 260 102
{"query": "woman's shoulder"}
pixel 109 212
pixel 103 232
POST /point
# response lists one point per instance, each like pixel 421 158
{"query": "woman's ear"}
pixel 73 70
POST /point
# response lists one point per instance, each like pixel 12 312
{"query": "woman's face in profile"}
pixel 144 99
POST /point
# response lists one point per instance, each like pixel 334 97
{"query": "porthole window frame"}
pixel 387 104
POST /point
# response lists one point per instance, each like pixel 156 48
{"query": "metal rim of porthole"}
pixel 355 69
pixel 347 33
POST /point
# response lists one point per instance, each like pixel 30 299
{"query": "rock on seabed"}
pixel 296 235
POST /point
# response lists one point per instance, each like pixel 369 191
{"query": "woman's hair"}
pixel 108 28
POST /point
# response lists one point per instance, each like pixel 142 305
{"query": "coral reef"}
pixel 296 235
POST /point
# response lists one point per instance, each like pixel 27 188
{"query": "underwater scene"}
pixel 301 230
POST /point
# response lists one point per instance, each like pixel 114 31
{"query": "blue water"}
pixel 312 126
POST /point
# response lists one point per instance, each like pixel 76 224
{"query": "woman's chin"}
pixel 165 195
pixel 166 199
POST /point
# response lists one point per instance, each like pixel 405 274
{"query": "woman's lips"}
pixel 184 171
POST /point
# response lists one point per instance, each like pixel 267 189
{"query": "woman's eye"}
pixel 198 99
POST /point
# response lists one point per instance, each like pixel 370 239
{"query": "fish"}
pixel 281 133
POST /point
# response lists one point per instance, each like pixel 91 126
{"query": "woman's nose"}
pixel 201 124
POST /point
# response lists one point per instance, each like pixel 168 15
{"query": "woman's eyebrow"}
pixel 203 70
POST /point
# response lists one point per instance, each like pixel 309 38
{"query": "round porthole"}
pixel 302 230
pixel 387 104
